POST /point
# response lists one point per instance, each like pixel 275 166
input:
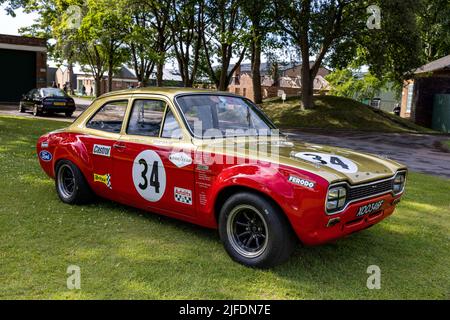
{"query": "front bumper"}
pixel 329 228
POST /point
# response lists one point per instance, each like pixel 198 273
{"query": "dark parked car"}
pixel 51 100
pixel 397 109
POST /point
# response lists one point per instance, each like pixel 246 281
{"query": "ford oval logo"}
pixel 45 155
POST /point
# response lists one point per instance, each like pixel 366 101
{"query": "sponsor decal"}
pixel 183 195
pixel 44 144
pixel 202 167
pixel 149 175
pixel 335 162
pixel 301 182
pixel 101 150
pixel 103 178
pixel 180 159
pixel 45 156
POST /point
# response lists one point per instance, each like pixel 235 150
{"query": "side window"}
pixel 146 117
pixel 109 118
pixel 171 128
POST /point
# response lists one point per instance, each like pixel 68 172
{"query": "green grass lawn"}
pixel 336 113
pixel 126 253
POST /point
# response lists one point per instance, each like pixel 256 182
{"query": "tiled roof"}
pixel 440 64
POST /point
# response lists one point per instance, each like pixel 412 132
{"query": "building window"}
pixel 244 92
pixel 409 98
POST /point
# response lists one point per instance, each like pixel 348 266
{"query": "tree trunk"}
pixel 98 83
pixel 307 87
pixel 256 74
pixel 70 70
pixel 159 74
pixel 110 77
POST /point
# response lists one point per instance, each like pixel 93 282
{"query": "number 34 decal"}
pixel 149 176
pixel 335 162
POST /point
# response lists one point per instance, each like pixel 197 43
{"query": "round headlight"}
pixel 399 182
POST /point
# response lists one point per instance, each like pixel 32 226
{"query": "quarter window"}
pixel 146 117
pixel 109 118
pixel 171 128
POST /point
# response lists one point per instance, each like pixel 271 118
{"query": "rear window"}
pixel 53 92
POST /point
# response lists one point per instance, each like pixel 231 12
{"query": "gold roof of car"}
pixel 166 91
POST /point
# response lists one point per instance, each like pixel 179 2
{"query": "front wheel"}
pixel 21 108
pixel 69 114
pixel 36 111
pixel 71 185
pixel 254 231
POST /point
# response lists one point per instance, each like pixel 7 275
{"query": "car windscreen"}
pixel 210 115
pixel 53 92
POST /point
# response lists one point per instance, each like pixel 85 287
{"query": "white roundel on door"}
pixel 335 162
pixel 149 176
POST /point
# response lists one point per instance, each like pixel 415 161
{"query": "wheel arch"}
pixel 224 194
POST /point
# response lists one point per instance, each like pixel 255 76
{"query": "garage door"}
pixel 18 74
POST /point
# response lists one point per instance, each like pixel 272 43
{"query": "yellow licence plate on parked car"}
pixel 59 103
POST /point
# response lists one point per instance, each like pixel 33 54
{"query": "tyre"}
pixel 71 185
pixel 254 231
pixel 21 108
pixel 36 111
pixel 69 114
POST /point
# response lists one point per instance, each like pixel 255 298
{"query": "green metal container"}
pixel 441 113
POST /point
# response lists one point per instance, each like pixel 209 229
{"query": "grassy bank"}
pixel 336 113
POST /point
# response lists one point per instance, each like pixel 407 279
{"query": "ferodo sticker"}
pixel 101 150
pixel 149 175
pixel 103 178
pixel 180 159
pixel 335 162
pixel 183 195
pixel 301 182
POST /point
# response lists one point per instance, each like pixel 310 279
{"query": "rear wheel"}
pixel 254 231
pixel 71 185
pixel 69 114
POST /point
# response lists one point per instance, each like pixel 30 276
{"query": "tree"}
pixel 261 18
pixel 225 33
pixel 149 37
pixel 110 24
pixel 337 31
pixel 186 25
pixel 140 41
pixel 345 83
pixel 434 25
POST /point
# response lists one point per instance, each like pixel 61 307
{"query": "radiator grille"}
pixel 367 191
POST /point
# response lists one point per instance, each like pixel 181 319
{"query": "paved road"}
pixel 417 151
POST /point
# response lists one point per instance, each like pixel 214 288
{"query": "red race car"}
pixel 216 160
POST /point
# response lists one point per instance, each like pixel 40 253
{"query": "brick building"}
pixel 419 92
pixel 23 61
pixel 288 82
